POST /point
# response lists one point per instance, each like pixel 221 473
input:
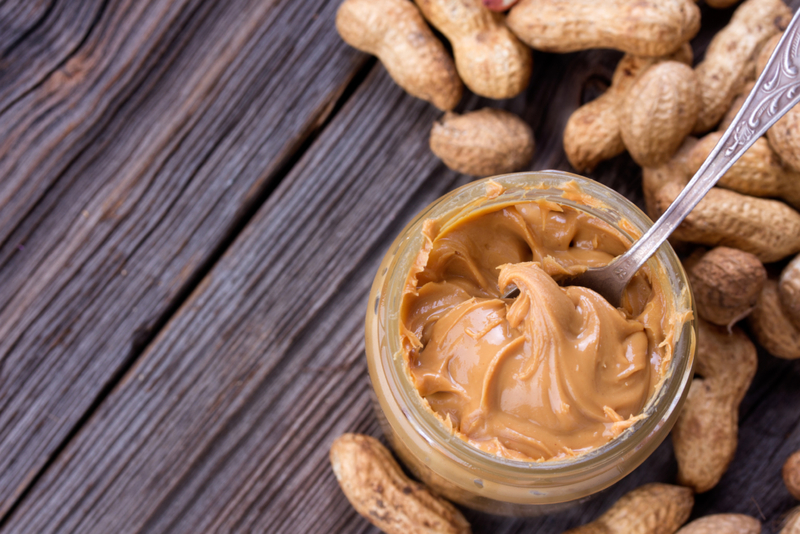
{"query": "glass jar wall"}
pixel 462 472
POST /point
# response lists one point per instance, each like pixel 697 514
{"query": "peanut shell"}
pixel 499 5
pixel 783 134
pixel 395 32
pixel 772 327
pixel 730 58
pixel 759 172
pixel 489 58
pixel 378 490
pixel 767 228
pixel 644 28
pixel 791 474
pixel 736 105
pixel 592 133
pixel 650 509
pixel 783 137
pixel 723 524
pixel 483 143
pixel 792 523
pixel 659 112
pixel 672 172
pixel 789 291
pixel 706 432
pixel 726 283
pixel 766 51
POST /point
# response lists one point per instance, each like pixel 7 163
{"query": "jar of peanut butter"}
pixel 498 384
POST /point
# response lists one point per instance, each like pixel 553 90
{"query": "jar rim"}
pixel 612 208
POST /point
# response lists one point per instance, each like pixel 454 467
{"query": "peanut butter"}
pixel 552 373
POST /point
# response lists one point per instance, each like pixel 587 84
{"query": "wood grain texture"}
pixel 123 172
pixel 271 335
pixel 40 37
pixel 18 18
pixel 224 423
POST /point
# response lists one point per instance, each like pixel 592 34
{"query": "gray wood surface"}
pixel 125 173
pixel 18 18
pixel 185 260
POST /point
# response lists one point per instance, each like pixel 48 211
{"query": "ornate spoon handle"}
pixel 776 92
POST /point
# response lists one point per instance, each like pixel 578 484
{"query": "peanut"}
pixel 767 228
pixel 726 283
pixel 766 51
pixel 649 509
pixel 395 32
pixel 758 172
pixel 659 112
pixel 379 491
pixel 644 28
pixel 789 291
pixel 499 5
pixel 792 523
pixel 672 172
pixel 706 432
pixel 489 58
pixel 783 134
pixel 772 327
pixel 791 474
pixel 483 142
pixel 592 133
pixel 730 58
pixel 723 524
pixel 738 102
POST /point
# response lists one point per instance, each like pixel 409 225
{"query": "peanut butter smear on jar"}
pixel 552 373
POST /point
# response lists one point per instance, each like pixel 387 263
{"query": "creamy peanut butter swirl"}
pixel 553 373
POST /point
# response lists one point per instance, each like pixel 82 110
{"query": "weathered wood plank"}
pixel 40 36
pixel 18 18
pixel 123 173
pixel 301 248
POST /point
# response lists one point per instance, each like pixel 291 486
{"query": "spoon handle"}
pixel 776 92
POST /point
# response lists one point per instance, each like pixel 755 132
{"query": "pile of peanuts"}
pixel 668 115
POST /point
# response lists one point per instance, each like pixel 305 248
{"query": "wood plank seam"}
pixel 317 121
pixel 351 157
pixel 90 144
pixel 144 338
pixel 358 385
pixel 756 399
pixel 352 365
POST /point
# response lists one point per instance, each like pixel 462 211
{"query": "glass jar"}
pixel 463 473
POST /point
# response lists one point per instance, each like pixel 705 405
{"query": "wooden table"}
pixel 194 197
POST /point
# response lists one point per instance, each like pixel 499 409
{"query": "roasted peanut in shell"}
pixel 377 488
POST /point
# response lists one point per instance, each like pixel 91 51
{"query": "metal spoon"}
pixel 776 92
